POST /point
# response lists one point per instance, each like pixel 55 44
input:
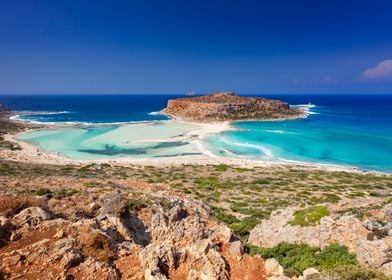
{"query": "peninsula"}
pixel 228 106
pixel 4 110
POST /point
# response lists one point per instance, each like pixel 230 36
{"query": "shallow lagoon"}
pixel 106 142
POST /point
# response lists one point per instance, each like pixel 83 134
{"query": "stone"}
pixel 15 236
pixel 236 249
pixel 31 216
pixel 372 225
pixel 94 206
pixel 177 213
pixel 311 274
pixel 388 225
pixel 222 233
pixel 273 268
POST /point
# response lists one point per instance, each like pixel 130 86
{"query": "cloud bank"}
pixel 382 71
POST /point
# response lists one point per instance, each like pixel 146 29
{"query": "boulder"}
pixel 273 268
pixel 372 225
pixel 311 274
pixel 31 216
pixel 236 249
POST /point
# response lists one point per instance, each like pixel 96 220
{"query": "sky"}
pixel 177 46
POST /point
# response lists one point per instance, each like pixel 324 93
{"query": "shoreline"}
pixel 30 153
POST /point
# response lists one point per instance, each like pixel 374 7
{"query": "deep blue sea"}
pixel 349 130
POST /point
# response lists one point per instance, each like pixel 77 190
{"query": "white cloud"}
pixel 381 71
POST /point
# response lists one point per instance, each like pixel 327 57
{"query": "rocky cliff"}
pixel 221 106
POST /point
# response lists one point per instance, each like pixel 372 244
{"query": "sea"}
pixel 346 130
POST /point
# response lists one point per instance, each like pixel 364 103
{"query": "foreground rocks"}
pixel 105 240
pixel 368 238
pixel 221 106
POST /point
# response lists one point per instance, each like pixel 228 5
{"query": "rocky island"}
pixel 228 106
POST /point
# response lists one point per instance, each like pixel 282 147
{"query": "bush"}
pixel 137 204
pixel 243 227
pixel 221 216
pixel 221 167
pixel 42 191
pixel 310 216
pixel 295 258
pixel 333 256
pixel 355 272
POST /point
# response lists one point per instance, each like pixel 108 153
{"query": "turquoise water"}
pixel 110 142
pixel 315 139
pixel 348 130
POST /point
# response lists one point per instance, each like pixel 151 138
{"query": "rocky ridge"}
pixel 228 106
pixel 63 238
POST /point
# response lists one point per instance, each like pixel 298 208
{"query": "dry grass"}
pixel 11 205
pixel 96 245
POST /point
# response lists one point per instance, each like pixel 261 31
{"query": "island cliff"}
pixel 228 106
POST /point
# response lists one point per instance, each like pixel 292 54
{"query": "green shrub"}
pixel 42 191
pixel 221 216
pixel 221 167
pixel 330 197
pixel 137 204
pixel 310 216
pixel 295 258
pixel 333 256
pixel 355 272
pixel 243 227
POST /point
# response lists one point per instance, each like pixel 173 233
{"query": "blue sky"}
pixel 302 46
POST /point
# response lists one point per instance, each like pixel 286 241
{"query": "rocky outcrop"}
pixel 369 240
pixel 111 242
pixel 221 106
pixel 184 246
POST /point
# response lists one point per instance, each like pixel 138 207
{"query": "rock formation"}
pixel 221 106
pixel 370 240
pixel 103 239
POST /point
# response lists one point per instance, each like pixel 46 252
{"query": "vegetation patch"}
pixel 310 216
pixel 42 191
pixel 295 258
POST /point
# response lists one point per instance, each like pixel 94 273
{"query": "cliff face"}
pixel 221 106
